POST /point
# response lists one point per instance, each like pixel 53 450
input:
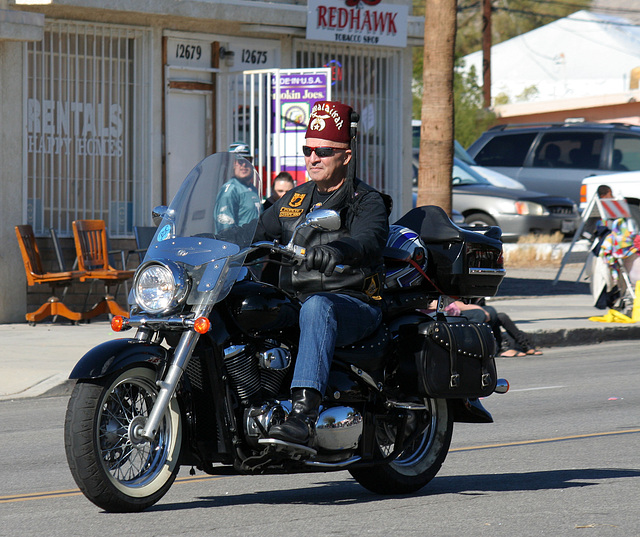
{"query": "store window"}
pixel 370 80
pixel 87 123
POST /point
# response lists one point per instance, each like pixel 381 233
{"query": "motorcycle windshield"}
pixel 211 219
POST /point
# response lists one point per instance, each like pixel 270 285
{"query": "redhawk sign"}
pixel 363 23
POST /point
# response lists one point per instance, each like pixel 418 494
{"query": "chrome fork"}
pixel 169 384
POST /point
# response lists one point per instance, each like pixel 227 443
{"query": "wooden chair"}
pixel 90 237
pixel 36 275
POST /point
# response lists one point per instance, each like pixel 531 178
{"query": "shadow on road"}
pixel 349 492
pixel 540 287
pixel 527 481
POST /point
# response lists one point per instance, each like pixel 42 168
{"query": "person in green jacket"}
pixel 239 200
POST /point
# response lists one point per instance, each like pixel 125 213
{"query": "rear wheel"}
pixel 116 470
pixel 419 462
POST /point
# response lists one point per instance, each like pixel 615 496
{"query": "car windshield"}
pixel 461 153
pixel 464 175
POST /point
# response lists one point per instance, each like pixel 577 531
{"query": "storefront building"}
pixel 105 107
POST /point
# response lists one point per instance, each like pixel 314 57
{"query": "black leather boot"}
pixel 300 425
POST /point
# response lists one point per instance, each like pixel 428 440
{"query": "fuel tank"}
pixel 258 308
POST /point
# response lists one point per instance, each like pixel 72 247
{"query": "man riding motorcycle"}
pixel 339 308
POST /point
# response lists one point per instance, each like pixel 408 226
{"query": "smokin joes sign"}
pixel 365 22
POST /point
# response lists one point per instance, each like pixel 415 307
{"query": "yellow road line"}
pixel 76 492
pixel 39 496
pixel 190 479
pixel 545 440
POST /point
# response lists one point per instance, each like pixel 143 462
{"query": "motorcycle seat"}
pixel 368 353
pixel 432 224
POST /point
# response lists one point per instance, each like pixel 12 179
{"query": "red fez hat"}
pixel 330 120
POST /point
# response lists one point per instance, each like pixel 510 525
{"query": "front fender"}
pixel 114 355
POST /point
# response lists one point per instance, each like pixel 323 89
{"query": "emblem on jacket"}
pixel 297 200
pixel 372 287
pixel 288 212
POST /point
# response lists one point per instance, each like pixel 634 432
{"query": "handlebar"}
pixel 295 252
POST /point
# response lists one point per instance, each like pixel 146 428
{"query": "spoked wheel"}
pixel 419 462
pixel 114 468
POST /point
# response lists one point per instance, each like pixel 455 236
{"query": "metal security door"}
pixel 189 116
pixel 87 143
pixel 187 135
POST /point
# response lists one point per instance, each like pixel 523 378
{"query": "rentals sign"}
pixel 365 23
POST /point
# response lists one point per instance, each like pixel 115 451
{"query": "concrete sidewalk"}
pixel 37 360
pixel 556 315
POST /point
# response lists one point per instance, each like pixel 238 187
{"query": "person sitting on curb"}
pixel 518 344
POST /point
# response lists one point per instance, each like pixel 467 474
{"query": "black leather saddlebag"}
pixel 457 360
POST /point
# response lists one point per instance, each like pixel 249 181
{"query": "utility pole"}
pixel 486 52
pixel 436 132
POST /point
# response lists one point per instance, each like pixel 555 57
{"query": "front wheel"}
pixel 419 462
pixel 114 469
pixel 480 220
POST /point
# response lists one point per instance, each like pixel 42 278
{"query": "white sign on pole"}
pixel 362 24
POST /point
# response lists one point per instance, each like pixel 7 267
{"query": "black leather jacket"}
pixel 365 228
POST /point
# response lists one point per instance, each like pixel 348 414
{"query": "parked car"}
pixel 517 212
pixel 555 157
pixel 623 185
pixel 457 217
pixel 494 177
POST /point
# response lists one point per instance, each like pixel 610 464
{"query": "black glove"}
pixel 324 258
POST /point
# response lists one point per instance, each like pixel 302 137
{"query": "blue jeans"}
pixel 329 320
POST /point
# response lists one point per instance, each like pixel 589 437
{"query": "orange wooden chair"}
pixel 36 275
pixel 90 237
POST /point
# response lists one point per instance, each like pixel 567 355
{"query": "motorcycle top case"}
pixel 461 262
pixel 457 359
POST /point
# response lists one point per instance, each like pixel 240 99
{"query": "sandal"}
pixel 534 352
pixel 511 353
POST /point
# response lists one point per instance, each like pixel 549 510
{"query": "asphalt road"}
pixel 560 459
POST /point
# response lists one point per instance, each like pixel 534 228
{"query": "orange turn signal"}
pixel 201 325
pixel 117 323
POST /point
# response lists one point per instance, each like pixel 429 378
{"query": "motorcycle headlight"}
pixel 528 207
pixel 160 287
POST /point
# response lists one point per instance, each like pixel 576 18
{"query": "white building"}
pixel 105 106
pixel 583 55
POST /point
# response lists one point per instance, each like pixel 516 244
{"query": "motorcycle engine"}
pixel 256 372
pixel 338 428
pixel 252 370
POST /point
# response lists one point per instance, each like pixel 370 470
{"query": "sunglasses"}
pixel 245 161
pixel 320 151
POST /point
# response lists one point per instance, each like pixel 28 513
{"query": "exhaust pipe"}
pixel 502 386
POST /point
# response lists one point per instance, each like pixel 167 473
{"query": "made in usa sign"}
pixel 360 24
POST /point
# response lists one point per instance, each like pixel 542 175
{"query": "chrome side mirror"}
pixel 157 214
pixel 324 219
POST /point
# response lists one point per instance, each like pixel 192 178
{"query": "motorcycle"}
pixel 208 370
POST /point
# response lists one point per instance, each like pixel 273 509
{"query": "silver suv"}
pixel 556 157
